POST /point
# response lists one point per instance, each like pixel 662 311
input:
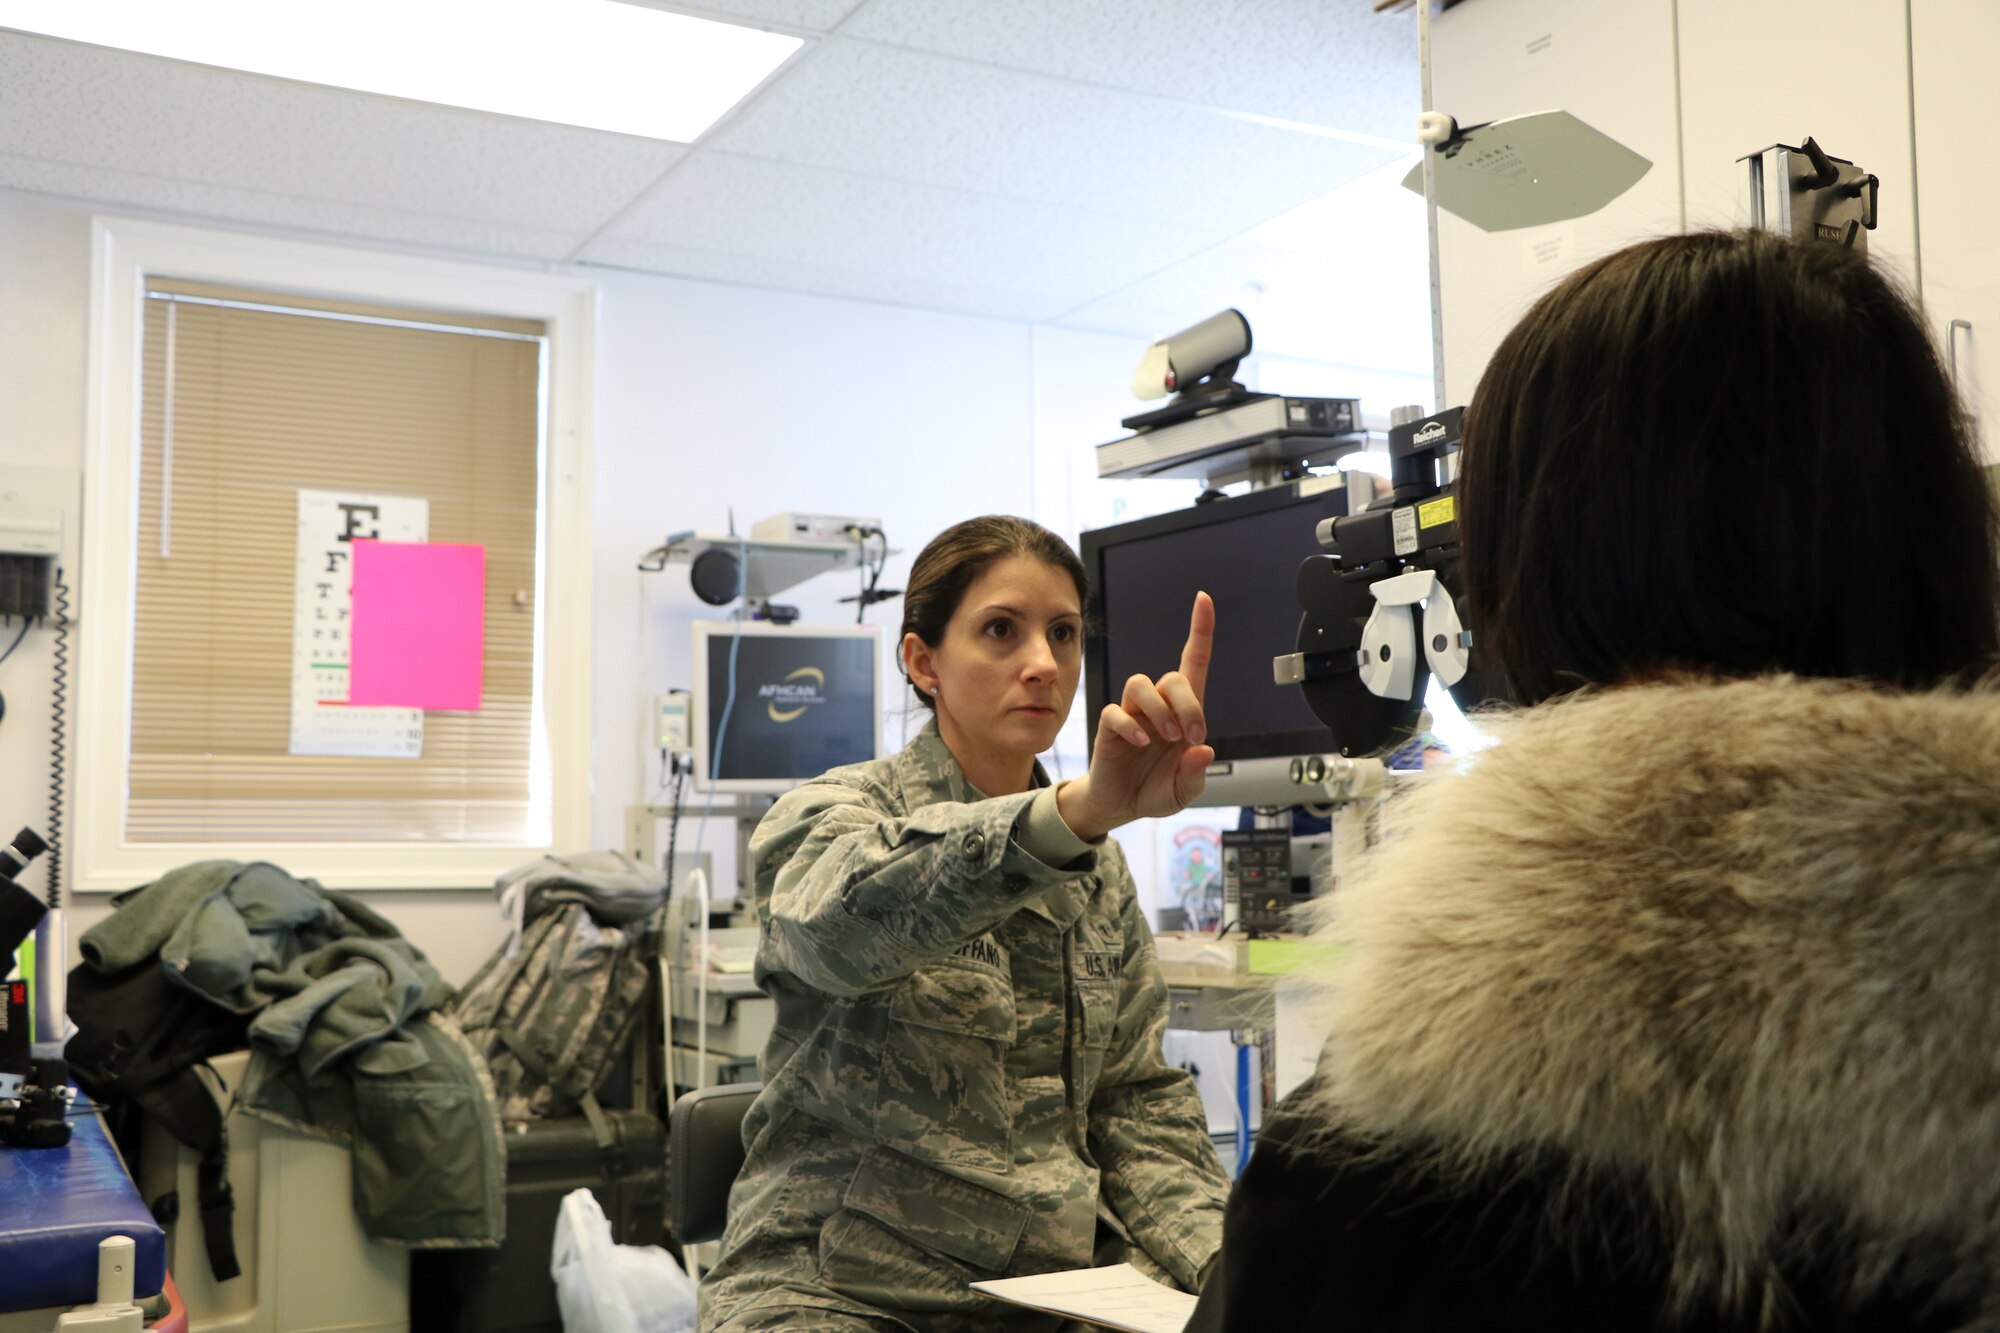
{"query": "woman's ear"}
pixel 918 664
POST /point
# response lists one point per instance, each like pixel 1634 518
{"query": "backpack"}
pixel 141 1039
pixel 553 1015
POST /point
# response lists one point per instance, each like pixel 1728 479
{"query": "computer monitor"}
pixel 1245 552
pixel 808 698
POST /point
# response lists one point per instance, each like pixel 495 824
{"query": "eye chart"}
pixel 322 723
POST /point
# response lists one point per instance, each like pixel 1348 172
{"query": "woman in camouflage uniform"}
pixel 965 1078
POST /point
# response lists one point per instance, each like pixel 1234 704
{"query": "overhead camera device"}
pixel 1215 429
pixel 1199 360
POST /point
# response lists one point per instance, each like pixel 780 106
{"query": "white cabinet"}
pixel 307 1266
pixel 1759 72
pixel 1954 43
pixel 1611 65
pixel 1904 88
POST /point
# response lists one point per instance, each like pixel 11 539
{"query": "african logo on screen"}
pixel 789 699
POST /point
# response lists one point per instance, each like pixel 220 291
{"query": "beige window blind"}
pixel 268 394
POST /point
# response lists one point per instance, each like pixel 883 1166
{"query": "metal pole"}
pixel 1431 212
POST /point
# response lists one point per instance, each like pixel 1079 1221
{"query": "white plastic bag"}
pixel 604 1287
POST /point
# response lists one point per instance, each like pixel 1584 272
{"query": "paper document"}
pixel 1116 1297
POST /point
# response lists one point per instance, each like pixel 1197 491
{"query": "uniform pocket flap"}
pixel 936 820
pixel 941 1213
pixel 959 997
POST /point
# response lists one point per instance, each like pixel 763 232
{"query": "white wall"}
pixel 44 290
pixel 717 397
pixel 44 303
pixel 709 398
pixel 1695 85
pixel 1843 78
pixel 1612 66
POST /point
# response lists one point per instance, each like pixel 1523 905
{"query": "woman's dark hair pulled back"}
pixel 955 558
pixel 1727 453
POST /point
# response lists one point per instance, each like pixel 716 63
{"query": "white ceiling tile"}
pixel 1334 310
pixel 819 278
pixel 1344 279
pixel 1332 63
pixel 1023 160
pixel 791 214
pixel 329 217
pixel 932 120
pixel 62 102
pixel 801 15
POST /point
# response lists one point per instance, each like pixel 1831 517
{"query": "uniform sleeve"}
pixel 1148 1130
pixel 859 898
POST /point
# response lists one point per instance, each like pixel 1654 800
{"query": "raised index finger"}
pixel 1200 644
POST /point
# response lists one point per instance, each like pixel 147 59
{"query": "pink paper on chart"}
pixel 419 627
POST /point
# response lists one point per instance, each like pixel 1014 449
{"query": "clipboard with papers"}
pixel 1118 1297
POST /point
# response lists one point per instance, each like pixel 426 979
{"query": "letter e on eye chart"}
pixel 322 624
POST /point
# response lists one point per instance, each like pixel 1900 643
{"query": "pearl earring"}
pixel 934 689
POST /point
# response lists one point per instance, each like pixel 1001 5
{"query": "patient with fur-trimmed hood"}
pixel 1679 1008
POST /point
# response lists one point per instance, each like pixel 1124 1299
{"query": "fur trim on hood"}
pixel 1740 941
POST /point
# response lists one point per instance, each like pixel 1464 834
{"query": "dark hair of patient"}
pixel 1728 454
pixel 952 562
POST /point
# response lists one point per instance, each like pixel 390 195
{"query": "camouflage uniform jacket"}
pixel 965 1077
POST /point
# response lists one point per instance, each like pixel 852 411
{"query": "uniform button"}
pixel 1015 884
pixel 974 845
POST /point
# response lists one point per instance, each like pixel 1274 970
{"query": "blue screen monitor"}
pixel 808 698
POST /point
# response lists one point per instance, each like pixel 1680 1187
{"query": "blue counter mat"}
pixel 56 1204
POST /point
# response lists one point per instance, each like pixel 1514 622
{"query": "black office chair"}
pixel 704 1153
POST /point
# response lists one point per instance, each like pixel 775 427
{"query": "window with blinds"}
pixel 247 398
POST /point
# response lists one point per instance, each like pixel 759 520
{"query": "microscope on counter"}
pixel 34 1078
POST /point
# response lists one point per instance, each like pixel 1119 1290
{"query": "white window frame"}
pixel 125 253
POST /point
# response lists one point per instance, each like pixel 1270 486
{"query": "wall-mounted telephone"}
pixel 33 593
pixel 30 545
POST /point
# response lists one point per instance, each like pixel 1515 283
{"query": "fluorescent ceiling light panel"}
pixel 601 64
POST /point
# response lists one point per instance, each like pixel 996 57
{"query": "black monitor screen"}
pixel 804 704
pixel 1245 552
